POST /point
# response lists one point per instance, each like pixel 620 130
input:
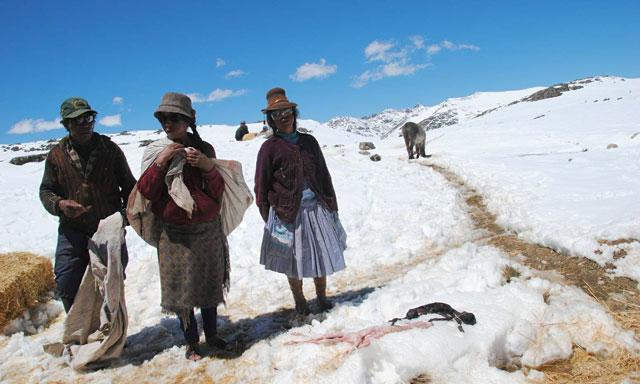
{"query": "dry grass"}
pixel 586 368
pixel 421 379
pixel 26 278
pixel 509 273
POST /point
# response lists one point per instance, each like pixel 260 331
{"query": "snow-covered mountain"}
pixel 455 110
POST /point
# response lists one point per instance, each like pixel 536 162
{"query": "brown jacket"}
pixel 281 171
pixel 103 182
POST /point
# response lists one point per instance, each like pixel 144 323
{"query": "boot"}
pixel 298 296
pixel 321 293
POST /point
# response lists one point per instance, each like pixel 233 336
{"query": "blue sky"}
pixel 334 58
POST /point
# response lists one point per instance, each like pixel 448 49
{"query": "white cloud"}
pixel 235 73
pixel 111 121
pixel 418 41
pixel 433 49
pixel 393 69
pixel 401 69
pixel 35 125
pixel 469 46
pixel 397 60
pixel 448 45
pixel 378 50
pixel 220 62
pixel 118 100
pixel 309 71
pixel 216 95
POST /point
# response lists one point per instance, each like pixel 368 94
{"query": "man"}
pixel 86 178
pixel 241 131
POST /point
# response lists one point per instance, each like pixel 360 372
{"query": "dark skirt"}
pixel 193 262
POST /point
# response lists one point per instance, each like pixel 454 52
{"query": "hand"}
pixel 195 158
pixel 168 152
pixel 72 208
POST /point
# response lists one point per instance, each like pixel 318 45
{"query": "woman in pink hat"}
pixel 303 236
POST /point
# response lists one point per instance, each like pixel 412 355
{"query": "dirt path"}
pixel 619 295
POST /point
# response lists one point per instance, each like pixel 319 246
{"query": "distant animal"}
pixel 414 137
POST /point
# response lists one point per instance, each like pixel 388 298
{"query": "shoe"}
pixel 193 352
pixel 325 304
pixel 302 309
pixel 217 342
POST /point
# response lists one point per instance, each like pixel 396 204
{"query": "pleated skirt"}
pixel 312 246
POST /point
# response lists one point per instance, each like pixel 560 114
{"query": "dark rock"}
pixel 635 134
pixel 144 143
pixel 15 148
pixel 20 160
pixel 553 91
pixel 537 117
pixel 611 146
pixel 125 133
pixel 365 146
pixel 375 157
pixel 440 119
pixel 304 130
pixel 485 112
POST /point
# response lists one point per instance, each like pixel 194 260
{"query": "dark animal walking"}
pixel 442 309
pixel 414 136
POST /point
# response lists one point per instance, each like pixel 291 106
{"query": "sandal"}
pixel 193 352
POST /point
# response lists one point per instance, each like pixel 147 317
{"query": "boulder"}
pixel 611 146
pixel 365 146
pixel 20 160
pixel 144 143
pixel 375 157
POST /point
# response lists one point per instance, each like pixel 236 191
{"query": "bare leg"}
pixel 321 293
pixel 298 296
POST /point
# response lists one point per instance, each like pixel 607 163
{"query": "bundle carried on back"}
pixel 445 310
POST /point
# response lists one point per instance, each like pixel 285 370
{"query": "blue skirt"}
pixel 312 246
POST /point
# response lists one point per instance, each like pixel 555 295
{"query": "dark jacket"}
pixel 241 131
pixel 281 171
pixel 205 187
pixel 102 181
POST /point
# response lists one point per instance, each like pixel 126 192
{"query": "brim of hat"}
pixel 79 112
pixel 282 105
pixel 169 109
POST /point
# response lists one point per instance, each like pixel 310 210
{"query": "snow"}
pixel 410 242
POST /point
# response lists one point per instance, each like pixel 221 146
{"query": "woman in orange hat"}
pixel 303 236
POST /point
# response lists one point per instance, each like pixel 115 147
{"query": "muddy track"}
pixel 619 295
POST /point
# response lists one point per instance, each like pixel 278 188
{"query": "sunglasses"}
pixel 279 113
pixel 170 118
pixel 84 119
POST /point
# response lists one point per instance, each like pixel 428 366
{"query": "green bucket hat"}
pixel 74 107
